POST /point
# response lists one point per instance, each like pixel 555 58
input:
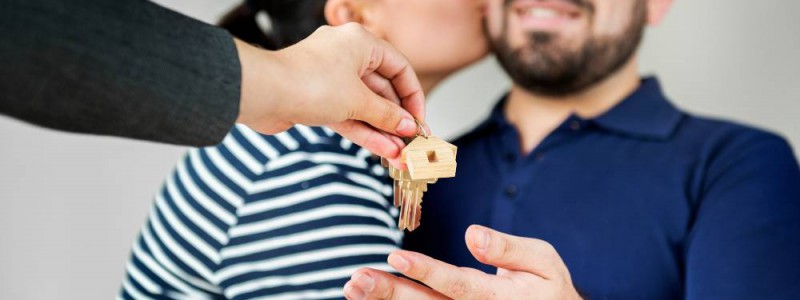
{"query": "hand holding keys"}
pixel 428 158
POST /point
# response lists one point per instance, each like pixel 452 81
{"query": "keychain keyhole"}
pixel 432 156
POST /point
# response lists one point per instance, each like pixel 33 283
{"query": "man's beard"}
pixel 543 67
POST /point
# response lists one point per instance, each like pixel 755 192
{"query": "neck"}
pixel 536 116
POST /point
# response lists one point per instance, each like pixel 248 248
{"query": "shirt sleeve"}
pixel 745 240
pixel 127 68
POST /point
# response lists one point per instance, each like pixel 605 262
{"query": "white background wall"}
pixel 70 205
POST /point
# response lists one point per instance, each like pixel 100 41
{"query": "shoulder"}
pixel 245 156
pixel 256 153
pixel 718 137
pixel 733 152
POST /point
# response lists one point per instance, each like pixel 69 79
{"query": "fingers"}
pixel 383 114
pixel 449 280
pixel 391 64
pixel 384 60
pixel 385 89
pixel 377 142
pixel 515 253
pixel 381 86
pixel 397 164
pixel 373 284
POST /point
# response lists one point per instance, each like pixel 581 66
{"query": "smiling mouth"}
pixel 547 14
pixel 544 13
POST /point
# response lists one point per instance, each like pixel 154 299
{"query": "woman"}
pixel 292 215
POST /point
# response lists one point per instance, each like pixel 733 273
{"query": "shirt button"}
pixel 575 125
pixel 511 190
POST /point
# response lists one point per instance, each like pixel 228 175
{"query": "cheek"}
pixel 494 18
pixel 440 39
pixel 612 18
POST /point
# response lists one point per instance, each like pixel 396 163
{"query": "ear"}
pixel 656 10
pixel 338 12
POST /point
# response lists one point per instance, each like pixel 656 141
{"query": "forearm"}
pixel 125 68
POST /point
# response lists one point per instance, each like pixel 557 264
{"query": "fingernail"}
pixel 481 239
pixel 406 126
pixel 364 282
pixel 398 262
pixel 352 292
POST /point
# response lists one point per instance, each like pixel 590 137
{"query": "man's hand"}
pixel 343 77
pixel 527 269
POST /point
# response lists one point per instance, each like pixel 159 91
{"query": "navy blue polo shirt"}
pixel 643 202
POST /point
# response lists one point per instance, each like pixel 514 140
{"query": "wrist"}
pixel 261 87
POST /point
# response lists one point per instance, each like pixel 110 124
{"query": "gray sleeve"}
pixel 127 68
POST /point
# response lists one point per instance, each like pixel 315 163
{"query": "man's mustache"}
pixel 583 4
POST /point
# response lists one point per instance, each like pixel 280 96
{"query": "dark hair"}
pixel 291 20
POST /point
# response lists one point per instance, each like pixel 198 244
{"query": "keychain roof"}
pixel 429 157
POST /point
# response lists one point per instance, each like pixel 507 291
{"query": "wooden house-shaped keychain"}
pixel 427 159
pixel 430 158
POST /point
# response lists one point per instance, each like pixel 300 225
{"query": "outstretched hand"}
pixel 527 269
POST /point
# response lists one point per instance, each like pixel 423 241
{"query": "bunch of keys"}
pixel 427 158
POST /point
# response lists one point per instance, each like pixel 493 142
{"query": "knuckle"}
pixel 390 93
pixel 547 246
pixel 548 250
pixel 550 255
pixel 504 251
pixel 508 249
pixel 423 274
pixel 323 28
pixel 484 293
pixel 458 289
pixel 384 85
pixel 541 246
pixel 352 27
pixel 390 114
pixel 388 292
pixel 379 113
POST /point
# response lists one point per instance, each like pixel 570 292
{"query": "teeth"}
pixel 543 13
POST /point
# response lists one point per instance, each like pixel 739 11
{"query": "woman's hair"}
pixel 290 21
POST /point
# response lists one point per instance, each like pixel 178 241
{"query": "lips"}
pixel 545 15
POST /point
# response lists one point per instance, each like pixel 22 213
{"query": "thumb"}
pixel 514 253
pixel 384 114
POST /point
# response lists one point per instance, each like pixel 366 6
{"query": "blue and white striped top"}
pixel 289 216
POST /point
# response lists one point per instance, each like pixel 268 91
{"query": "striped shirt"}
pixel 288 216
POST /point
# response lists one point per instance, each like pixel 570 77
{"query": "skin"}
pixel 527 268
pixel 270 102
pixel 408 24
pixel 379 94
pixel 439 37
pixel 534 115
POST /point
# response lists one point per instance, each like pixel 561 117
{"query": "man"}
pixel 611 190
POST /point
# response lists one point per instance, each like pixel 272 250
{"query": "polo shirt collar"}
pixel 646 113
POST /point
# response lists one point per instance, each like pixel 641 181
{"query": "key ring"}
pixel 421 128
